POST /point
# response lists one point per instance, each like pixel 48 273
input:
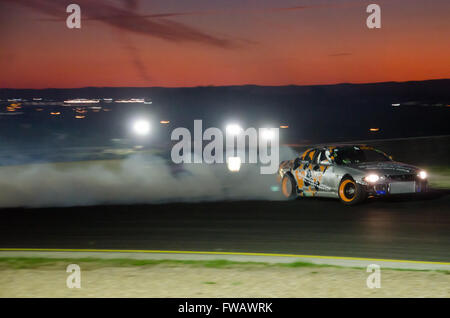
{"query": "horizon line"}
pixel 232 85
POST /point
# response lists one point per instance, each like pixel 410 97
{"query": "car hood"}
pixel 386 168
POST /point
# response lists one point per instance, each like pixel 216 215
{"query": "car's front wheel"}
pixel 350 192
pixel 288 186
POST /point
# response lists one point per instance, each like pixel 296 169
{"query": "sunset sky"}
pixel 221 42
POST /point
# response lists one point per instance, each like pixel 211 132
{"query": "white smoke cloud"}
pixel 138 179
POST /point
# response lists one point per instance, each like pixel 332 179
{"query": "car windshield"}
pixel 351 155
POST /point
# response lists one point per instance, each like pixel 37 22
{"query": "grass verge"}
pixel 93 263
pixel 35 262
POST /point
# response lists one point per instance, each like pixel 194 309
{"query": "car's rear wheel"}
pixel 350 192
pixel 288 186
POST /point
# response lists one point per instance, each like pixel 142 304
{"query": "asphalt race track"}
pixel 402 228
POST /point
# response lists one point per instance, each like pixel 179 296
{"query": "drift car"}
pixel 348 172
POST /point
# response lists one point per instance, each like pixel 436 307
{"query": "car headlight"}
pixel 422 174
pixel 372 178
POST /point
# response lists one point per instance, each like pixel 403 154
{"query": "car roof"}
pixel 340 145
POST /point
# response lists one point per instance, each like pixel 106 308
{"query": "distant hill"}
pixel 415 90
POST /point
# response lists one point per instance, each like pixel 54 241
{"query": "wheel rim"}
pixel 286 187
pixel 347 190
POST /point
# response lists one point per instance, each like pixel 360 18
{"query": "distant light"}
pixel 141 127
pixel 82 101
pixel 234 164
pixel 80 117
pixel 131 100
pixel 234 129
pixel 164 122
pixel 374 129
pixel 55 113
pixel 395 105
pixel 423 174
pixel 267 133
pixel 284 126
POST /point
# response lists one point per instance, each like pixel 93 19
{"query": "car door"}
pixel 322 173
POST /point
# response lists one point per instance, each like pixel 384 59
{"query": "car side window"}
pixel 323 158
pixel 320 157
pixel 316 157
